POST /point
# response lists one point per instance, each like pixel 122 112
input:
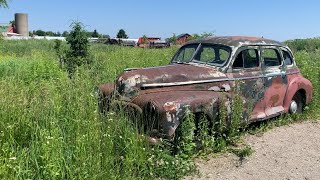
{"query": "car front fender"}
pixel 172 106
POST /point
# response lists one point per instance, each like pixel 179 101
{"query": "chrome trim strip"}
pixel 183 83
pixel 296 72
pixel 196 82
pixel 246 78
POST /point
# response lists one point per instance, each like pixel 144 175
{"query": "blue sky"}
pixel 275 19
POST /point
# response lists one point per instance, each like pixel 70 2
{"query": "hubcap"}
pixel 293 107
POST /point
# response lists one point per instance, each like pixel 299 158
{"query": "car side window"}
pixel 248 58
pixel 214 54
pixel 287 58
pixel 187 53
pixel 271 57
pixel 223 54
pixel 207 54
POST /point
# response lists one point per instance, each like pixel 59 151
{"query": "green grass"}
pixel 50 127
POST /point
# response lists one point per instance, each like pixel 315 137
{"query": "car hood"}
pixel 132 80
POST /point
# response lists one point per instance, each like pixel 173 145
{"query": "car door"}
pixel 248 81
pixel 275 80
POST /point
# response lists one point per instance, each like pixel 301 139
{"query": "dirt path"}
pixel 287 152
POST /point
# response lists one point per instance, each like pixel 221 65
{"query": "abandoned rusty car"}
pixel 204 75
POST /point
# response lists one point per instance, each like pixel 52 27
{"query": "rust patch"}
pixel 274 99
pixel 201 87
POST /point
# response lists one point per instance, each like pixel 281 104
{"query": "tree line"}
pixel 93 34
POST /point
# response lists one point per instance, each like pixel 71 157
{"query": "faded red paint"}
pixel 238 38
pixel 167 91
pixel 149 39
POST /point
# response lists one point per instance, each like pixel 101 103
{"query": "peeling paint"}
pixel 200 87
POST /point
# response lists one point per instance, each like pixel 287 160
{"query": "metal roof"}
pixel 236 41
pixel 180 35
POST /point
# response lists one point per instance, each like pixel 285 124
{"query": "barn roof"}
pixel 181 35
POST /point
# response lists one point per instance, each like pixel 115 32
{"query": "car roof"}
pixel 236 41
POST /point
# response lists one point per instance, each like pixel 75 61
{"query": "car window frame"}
pixel 271 47
pixel 255 47
pixel 225 47
pixel 290 54
pixel 180 49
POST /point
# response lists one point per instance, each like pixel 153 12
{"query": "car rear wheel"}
pixel 296 104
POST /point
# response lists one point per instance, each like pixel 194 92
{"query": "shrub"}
pixel 78 52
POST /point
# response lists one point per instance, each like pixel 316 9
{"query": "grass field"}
pixel 50 127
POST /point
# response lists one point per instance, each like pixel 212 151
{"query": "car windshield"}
pixel 203 53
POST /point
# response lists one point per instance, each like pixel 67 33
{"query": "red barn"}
pixel 149 39
pixel 182 38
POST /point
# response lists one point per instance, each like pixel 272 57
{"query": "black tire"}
pixel 298 99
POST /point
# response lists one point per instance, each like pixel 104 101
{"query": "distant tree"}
pixel 3 3
pixel 122 34
pixel 40 32
pixel 45 33
pixel 207 34
pixel 50 33
pixel 194 36
pixel 202 35
pixel 78 41
pixel 78 53
pixel 95 34
pixel 104 36
pixel 13 22
pixel 65 34
pixel 173 39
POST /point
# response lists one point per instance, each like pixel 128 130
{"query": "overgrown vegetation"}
pixel 50 126
pixel 309 45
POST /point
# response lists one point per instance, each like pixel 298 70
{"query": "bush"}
pixel 78 52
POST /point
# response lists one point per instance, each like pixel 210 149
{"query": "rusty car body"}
pixel 205 74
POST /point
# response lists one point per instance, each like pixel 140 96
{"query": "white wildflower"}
pixel 12 158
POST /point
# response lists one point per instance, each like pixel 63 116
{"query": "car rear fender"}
pixel 301 84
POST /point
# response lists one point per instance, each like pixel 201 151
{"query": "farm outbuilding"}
pixel 148 39
pixel 18 28
pixel 6 28
pixel 182 38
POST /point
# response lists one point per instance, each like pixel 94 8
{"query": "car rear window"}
pixel 287 58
